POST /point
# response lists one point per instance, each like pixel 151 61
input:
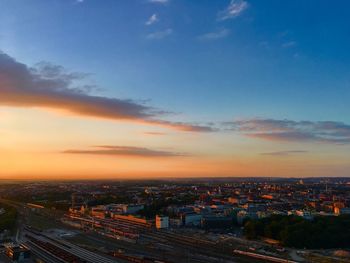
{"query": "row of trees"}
pixel 8 219
pixel 293 231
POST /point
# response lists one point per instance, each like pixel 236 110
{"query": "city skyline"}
pixel 166 88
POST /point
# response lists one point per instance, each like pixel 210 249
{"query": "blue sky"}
pixel 276 59
pixel 276 72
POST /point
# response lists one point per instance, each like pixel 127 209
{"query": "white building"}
pixel 162 222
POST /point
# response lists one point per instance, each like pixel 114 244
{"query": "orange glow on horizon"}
pixel 32 142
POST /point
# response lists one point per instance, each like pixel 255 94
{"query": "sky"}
pixel 174 88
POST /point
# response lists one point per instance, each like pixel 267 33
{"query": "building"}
pixel 17 253
pixel 342 211
pixel 238 200
pixel 162 222
pixel 191 219
pixel 98 211
pixel 132 208
pixel 125 208
pixel 175 222
pixel 35 207
pixel 242 216
pixel 267 196
pixel 304 214
pixel 338 206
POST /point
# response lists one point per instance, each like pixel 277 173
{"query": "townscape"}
pixel 192 220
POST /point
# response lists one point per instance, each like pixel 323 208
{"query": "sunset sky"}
pixel 174 88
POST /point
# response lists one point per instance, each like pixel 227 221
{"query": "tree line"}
pixel 293 231
pixel 8 219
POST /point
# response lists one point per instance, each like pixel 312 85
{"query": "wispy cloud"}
pixel 159 1
pixel 294 131
pixel 160 34
pixel 153 19
pixel 234 9
pixel 215 35
pixel 289 44
pixel 155 133
pixel 181 126
pixel 264 44
pixel 284 153
pixel 50 86
pixel 113 150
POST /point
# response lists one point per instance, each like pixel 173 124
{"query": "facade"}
pixel 17 253
pixel 342 211
pixel 304 214
pixel 99 212
pixel 125 208
pixel 132 208
pixel 241 216
pixel 192 219
pixel 162 222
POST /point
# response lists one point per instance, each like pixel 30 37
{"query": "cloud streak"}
pixel 50 86
pixel 294 131
pixel 159 1
pixel 155 133
pixel 112 150
pixel 215 35
pixel 160 34
pixel 284 153
pixel 152 20
pixel 234 9
pixel 289 44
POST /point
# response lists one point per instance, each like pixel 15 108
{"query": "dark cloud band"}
pixel 49 86
pixel 124 151
pixel 294 131
pixel 284 153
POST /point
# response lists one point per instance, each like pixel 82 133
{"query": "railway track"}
pixel 203 248
pixel 66 251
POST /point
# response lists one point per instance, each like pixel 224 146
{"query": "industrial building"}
pixel 17 253
pixel 162 222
